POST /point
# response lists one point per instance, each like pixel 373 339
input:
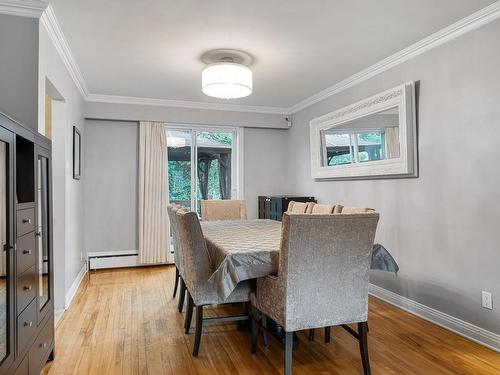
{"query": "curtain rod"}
pixel 184 123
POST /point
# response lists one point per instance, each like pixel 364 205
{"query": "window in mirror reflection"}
pixel 370 146
pixel 370 138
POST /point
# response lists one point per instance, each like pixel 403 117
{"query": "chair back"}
pixel 172 217
pixel 322 209
pixel 324 267
pixel 195 257
pixel 299 207
pixel 212 210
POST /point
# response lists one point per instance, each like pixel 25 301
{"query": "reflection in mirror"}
pixel 370 138
pixel 4 250
pixel 41 231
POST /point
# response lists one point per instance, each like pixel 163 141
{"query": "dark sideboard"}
pixel 273 206
pixel 26 260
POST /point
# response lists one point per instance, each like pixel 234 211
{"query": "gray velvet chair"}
pixel 298 207
pixel 322 280
pixel 197 270
pixel 179 269
pixel 212 210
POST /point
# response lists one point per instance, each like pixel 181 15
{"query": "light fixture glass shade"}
pixel 226 80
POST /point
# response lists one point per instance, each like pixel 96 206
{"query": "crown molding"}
pixel 442 36
pixel 49 21
pixel 23 8
pixel 97 98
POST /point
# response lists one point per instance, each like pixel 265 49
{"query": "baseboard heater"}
pixel 113 259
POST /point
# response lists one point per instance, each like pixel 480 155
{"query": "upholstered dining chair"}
pixel 327 289
pixel 323 209
pixel 197 270
pixel 300 207
pixel 212 210
pixel 339 209
pixel 179 269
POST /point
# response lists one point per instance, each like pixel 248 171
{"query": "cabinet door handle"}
pixel 26 221
pixel 27 287
pixel 28 324
pixel 38 234
pixel 43 345
pixel 27 252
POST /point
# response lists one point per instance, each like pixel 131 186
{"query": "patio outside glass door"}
pixel 202 164
pixel 180 172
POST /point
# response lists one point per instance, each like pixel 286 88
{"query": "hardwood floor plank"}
pixel 125 322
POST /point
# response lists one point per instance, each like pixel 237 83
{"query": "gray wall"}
pixel 111 163
pixel 19 68
pixel 27 59
pixel 442 228
pixel 128 112
pixel 68 193
pixel 265 165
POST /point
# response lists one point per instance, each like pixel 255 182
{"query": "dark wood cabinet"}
pixel 26 275
pixel 273 206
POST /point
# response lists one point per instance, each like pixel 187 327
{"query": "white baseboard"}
pixel 70 294
pixel 113 259
pixel 467 330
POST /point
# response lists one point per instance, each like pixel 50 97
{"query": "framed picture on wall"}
pixel 77 153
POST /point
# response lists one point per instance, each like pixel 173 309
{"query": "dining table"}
pixel 248 249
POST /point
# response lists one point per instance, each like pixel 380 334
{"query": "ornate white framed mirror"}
pixel 373 138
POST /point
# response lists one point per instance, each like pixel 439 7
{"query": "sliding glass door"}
pixel 180 171
pixel 202 164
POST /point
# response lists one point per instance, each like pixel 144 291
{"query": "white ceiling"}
pixel 152 48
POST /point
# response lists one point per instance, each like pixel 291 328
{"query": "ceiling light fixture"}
pixel 227 75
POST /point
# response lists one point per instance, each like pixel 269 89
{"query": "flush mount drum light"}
pixel 227 75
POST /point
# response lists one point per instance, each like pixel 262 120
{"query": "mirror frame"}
pixel 402 97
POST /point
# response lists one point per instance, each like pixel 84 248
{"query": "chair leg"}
pixel 311 334
pixel 255 330
pixel 177 276
pixel 182 294
pixel 189 313
pixel 199 326
pixel 363 347
pixel 328 334
pixel 288 352
pixel 264 331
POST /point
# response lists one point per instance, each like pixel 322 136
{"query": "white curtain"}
pixel 392 142
pixel 3 201
pixel 153 193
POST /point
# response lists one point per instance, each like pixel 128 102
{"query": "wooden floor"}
pixel 125 322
